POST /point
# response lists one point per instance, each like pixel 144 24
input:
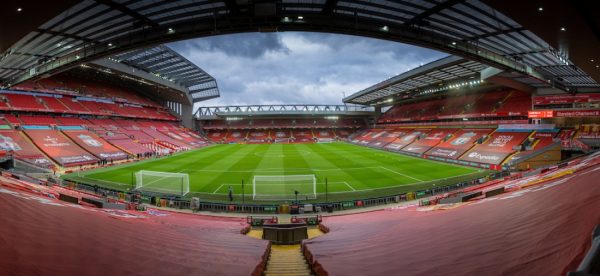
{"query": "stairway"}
pixel 287 260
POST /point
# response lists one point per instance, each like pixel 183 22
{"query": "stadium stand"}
pixel 324 135
pixel 37 120
pixel 343 133
pixel 73 105
pixel 96 108
pixel 216 135
pixel 407 139
pixel 518 102
pixel 429 140
pixel 456 105
pixel 24 102
pixel 382 138
pixel 53 104
pixel 3 103
pixel 552 218
pixel 539 142
pixel 60 148
pixel 258 136
pixel 95 145
pixel 12 119
pixel 115 242
pixel 588 131
pixel 459 143
pixel 303 135
pixel 165 140
pixel 364 136
pixel 71 121
pixel 500 103
pixel 487 102
pixel 127 145
pixel 15 141
pixel 87 97
pixel 68 85
pixel 589 134
pixel 236 136
pixel 190 137
pixel 497 147
pixel 281 135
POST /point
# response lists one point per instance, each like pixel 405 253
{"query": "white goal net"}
pixel 284 187
pixel 162 182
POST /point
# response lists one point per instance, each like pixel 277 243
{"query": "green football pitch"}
pixel 350 171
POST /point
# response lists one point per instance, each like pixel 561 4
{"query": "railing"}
pixel 590 265
pixel 273 208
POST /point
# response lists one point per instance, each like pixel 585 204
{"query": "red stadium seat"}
pixel 24 102
pixel 496 148
pixel 459 143
pixel 95 145
pixel 60 148
pixel 23 149
pixel 37 120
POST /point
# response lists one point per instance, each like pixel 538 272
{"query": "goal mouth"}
pixel 284 187
pixel 162 182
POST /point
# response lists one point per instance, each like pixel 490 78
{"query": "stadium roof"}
pixel 468 28
pixel 214 112
pixel 163 62
pixel 440 71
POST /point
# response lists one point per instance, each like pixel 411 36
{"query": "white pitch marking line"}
pixel 349 186
pixel 218 189
pixel 402 174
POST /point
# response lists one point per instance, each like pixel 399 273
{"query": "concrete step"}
pixel 286 274
pixel 287 260
pixel 287 266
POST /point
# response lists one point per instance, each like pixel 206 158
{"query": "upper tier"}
pixel 63 104
pixel 79 87
pixel 67 95
pixel 489 104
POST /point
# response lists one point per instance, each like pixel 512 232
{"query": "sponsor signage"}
pixel 394 146
pixel 540 114
pixel 446 152
pixel 577 113
pixel 415 149
pixel 59 147
pixel 526 126
pixel 96 145
pixel 485 157
pixel 566 99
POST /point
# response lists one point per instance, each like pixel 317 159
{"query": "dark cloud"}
pixel 250 45
pixel 296 68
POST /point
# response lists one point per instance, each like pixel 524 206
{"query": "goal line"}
pixel 284 187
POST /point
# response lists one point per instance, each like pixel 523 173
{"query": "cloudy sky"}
pixel 296 68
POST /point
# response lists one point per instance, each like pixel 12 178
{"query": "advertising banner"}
pixel 96 145
pixel 11 140
pixel 489 157
pixel 577 113
pixel 452 153
pixel 566 99
pixel 59 148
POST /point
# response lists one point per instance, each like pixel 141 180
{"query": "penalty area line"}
pixel 405 175
pixel 349 186
pixel 218 189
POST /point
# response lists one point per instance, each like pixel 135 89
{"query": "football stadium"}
pixel 324 137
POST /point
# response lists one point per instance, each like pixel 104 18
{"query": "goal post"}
pixel 284 187
pixel 162 182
